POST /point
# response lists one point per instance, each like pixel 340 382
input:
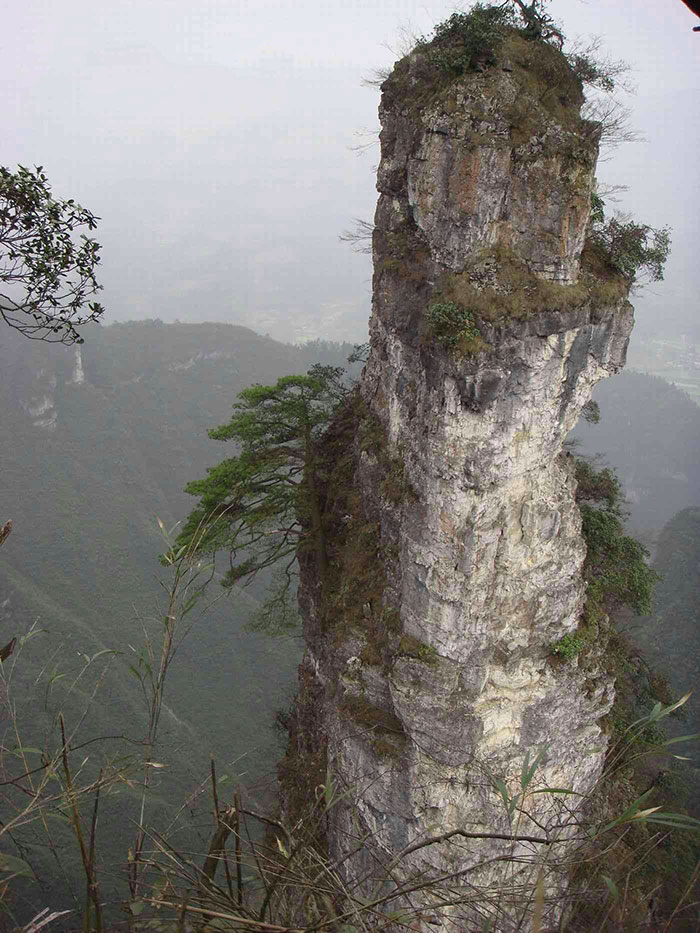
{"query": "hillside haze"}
pixel 649 431
pixel 96 445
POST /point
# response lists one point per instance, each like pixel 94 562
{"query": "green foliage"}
pixel 452 325
pixel 538 23
pixel 629 247
pixel 11 866
pixel 569 646
pixel 591 412
pixel 46 277
pixel 461 40
pixel 470 40
pixel 261 504
pixel 593 72
pixel 615 564
pixel 412 647
pixel 598 486
pixel 360 353
pixel 597 209
pixel 615 567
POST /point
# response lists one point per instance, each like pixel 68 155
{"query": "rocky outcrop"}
pixel 454 538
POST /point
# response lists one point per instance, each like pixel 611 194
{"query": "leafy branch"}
pixel 46 277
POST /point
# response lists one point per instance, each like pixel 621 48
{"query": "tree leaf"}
pixel 14 865
pixel 611 886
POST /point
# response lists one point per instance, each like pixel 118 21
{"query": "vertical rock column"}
pixel 456 544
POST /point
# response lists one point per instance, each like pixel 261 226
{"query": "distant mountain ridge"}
pixel 98 442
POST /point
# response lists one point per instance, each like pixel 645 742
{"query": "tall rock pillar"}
pixel 454 538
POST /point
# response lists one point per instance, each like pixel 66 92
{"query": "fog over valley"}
pixel 217 146
pixel 229 150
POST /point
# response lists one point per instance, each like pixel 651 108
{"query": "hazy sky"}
pixel 214 140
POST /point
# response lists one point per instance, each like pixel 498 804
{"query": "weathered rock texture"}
pixel 454 537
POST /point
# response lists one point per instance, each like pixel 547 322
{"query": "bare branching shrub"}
pixel 282 878
pixel 610 119
pixel 37 784
pixel 359 236
pixel 62 783
pixel 595 68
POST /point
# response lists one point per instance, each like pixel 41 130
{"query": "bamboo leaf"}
pixel 611 886
pixel 503 791
pixel 281 847
pixel 14 865
pixel 644 813
pixel 681 738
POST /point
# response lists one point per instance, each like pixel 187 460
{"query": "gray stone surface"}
pixel 483 560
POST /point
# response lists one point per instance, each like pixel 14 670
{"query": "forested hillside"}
pixel 93 450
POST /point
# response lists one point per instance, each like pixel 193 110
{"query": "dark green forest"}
pixel 669 638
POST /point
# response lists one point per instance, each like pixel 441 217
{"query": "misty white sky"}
pixel 214 140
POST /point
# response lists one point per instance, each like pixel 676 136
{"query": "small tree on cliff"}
pixel 261 504
pixel 630 248
pixel 616 566
pixel 538 23
pixel 46 278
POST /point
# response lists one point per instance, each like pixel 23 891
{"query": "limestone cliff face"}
pixel 454 537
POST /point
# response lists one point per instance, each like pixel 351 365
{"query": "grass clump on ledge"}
pixel 374 718
pixel 497 284
pixel 411 647
pixel 454 327
pixel 568 646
